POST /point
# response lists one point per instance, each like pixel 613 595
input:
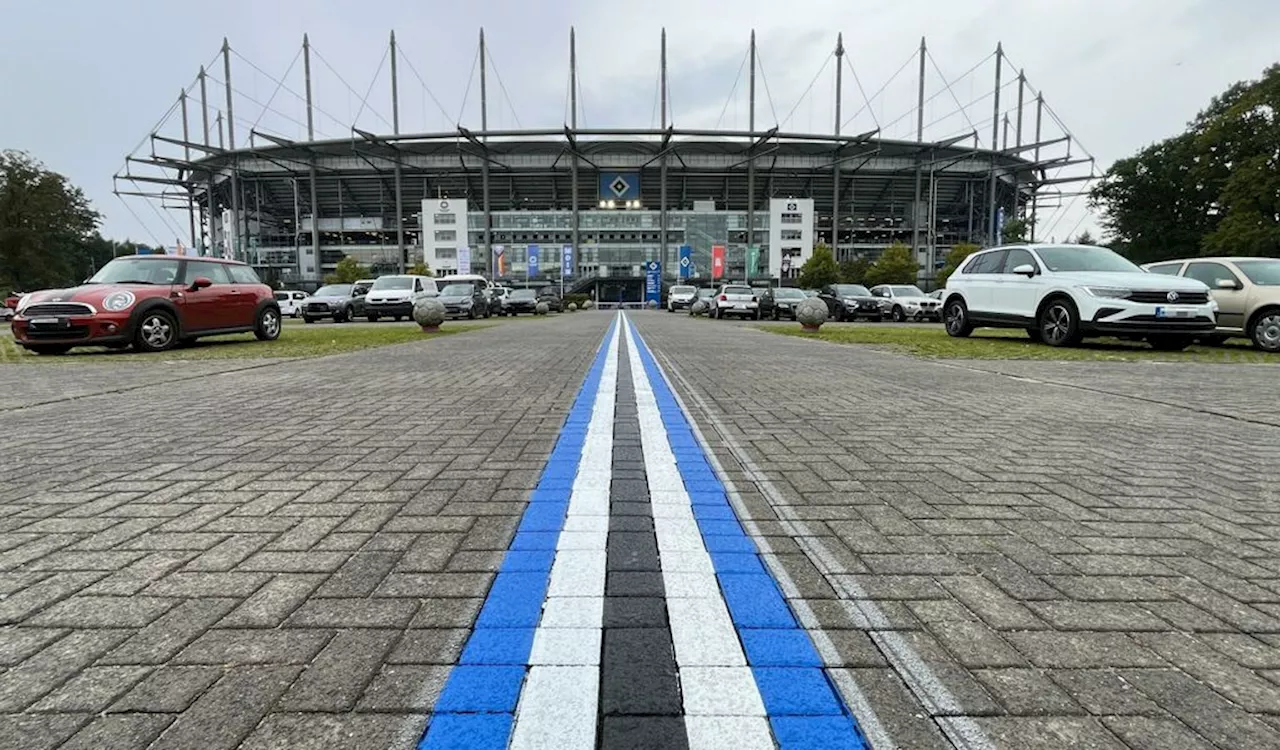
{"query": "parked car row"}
pixel 899 302
pixel 1061 294
pixel 393 297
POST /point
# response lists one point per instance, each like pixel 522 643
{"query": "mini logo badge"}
pixel 1172 297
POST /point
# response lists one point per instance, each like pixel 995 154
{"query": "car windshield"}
pixel 136 271
pixel 523 294
pixel 852 290
pixel 333 290
pixel 737 290
pixel 393 282
pixel 1094 259
pixel 359 289
pixel 456 290
pixel 1261 272
pixel 683 289
pixel 788 294
pixel 907 291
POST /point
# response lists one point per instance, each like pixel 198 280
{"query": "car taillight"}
pixel 724 298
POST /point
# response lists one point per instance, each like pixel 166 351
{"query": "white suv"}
pixel 394 296
pixel 1062 293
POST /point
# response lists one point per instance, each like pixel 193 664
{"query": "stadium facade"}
pixel 596 206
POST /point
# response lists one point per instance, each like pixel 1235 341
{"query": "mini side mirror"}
pixel 201 282
pixel 1026 269
pixel 1228 284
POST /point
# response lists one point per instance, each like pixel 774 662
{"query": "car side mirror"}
pixel 201 282
pixel 1026 269
pixel 1228 284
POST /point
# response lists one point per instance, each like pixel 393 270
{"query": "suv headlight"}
pixel 1107 292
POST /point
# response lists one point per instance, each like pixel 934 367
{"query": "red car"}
pixel 150 302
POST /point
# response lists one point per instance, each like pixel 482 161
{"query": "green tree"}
pixel 420 269
pixel 854 271
pixel 348 271
pixel 894 266
pixel 955 256
pixel 1084 238
pixel 821 268
pixel 46 226
pixel 1015 231
pixel 1213 189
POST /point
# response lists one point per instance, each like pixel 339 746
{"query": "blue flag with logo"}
pixel 566 265
pixel 533 261
pixel 653 282
pixel 686 261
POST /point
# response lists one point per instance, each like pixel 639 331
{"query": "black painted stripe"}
pixel 640 701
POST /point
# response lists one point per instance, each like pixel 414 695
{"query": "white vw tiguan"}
pixel 1062 293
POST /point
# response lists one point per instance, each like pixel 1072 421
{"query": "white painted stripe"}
pixel 560 698
pixel 963 732
pixel 715 679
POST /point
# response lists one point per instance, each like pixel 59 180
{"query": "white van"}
pixel 393 296
pixel 476 280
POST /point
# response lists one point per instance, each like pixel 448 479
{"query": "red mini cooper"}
pixel 150 302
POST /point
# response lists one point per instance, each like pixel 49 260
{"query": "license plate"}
pixel 1174 312
pixel 48 322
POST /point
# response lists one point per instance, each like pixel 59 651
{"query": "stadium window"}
pixel 446 235
pixel 446 218
pixel 789 218
pixel 446 253
pixel 791 234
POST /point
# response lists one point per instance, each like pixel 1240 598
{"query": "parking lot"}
pixel 986 554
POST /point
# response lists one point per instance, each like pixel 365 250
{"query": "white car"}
pixel 393 296
pixel 681 296
pixel 899 302
pixel 290 302
pixel 1062 293
pixel 735 299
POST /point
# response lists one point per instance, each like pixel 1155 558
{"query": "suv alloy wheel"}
pixel 1059 323
pixel 1265 330
pixel 956 319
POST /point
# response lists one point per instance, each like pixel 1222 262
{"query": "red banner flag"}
pixel 717 261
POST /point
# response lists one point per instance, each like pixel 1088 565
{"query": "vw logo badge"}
pixel 1172 297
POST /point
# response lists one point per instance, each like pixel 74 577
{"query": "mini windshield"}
pixel 1094 259
pixel 136 271
pixel 333 290
pixel 457 290
pixel 523 294
pixel 788 294
pixel 907 291
pixel 852 290
pixel 1261 272
pixel 393 282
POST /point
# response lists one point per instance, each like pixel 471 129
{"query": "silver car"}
pixel 901 302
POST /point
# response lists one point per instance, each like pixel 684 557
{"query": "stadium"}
pixel 597 208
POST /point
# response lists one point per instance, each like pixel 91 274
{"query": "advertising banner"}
pixel 717 261
pixel 499 261
pixel 566 263
pixel 686 261
pixel 464 259
pixel 533 262
pixel 653 282
pixel 753 259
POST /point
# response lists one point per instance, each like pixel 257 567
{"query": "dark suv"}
pixel 850 302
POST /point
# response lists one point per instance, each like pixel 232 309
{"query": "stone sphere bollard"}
pixel 812 313
pixel 588 305
pixel 541 309
pixel 573 307
pixel 699 307
pixel 429 313
pixel 652 304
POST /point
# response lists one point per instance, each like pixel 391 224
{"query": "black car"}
pixel 552 298
pixel 850 302
pixel 464 300
pixel 780 303
pixel 520 301
pixel 493 300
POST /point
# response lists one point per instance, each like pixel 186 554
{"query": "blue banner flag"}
pixel 686 261
pixel 653 282
pixel 566 265
pixel 533 261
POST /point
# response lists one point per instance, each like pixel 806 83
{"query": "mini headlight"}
pixel 118 301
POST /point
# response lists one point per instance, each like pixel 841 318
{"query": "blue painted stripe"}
pixel 804 708
pixel 476 708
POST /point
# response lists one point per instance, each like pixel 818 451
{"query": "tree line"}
pixel 1212 190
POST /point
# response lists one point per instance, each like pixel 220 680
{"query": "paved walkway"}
pixel 518 529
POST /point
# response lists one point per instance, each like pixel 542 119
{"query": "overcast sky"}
pixel 82 82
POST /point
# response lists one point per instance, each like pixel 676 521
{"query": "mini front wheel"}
pixel 267 326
